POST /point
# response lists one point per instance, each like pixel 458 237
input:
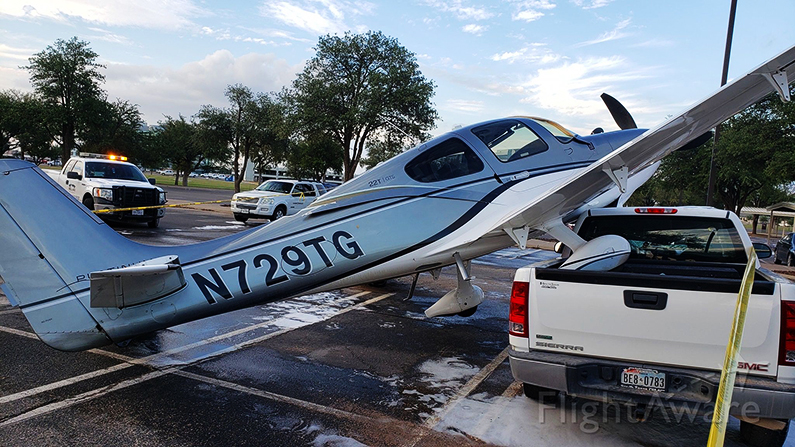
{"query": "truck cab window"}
pixel 449 159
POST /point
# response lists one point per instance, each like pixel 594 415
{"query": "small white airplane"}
pixel 462 195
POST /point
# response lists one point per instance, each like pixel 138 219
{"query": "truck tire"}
pixel 790 260
pixel 278 213
pixel 546 396
pixel 240 217
pixel 757 436
pixel 88 201
pixel 154 223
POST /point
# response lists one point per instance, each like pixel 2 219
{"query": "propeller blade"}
pixel 620 114
pixel 697 141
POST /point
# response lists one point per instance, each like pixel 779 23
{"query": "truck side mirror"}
pixel 152 181
pixel 74 175
pixel 762 250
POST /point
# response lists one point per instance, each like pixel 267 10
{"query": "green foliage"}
pixel 755 156
pixel 23 121
pixel 67 75
pixel 311 158
pixel 357 88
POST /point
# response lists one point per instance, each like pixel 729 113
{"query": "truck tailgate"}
pixel 652 318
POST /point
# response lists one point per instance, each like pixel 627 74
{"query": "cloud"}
pixel 573 88
pixel 533 53
pixel 614 34
pixel 593 4
pixel 158 14
pixel 459 10
pixel 473 29
pixel 462 105
pixel 528 15
pixel 320 17
pixel 17 54
pixel 163 91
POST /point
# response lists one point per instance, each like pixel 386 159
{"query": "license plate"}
pixel 644 378
pixel 137 212
pixel 243 211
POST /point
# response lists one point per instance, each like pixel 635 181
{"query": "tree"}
pixel 111 127
pixel 23 121
pixel 177 140
pixel 357 87
pixel 311 158
pixel 67 74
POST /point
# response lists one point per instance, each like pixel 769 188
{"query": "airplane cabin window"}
pixel 510 140
pixel 449 159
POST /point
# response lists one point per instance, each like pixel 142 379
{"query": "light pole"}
pixel 713 169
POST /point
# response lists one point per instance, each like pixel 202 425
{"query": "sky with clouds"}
pixel 488 59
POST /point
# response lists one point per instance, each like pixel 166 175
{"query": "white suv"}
pixel 107 182
pixel 274 199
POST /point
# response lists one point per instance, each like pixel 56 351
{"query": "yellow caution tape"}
pixel 114 210
pixel 720 416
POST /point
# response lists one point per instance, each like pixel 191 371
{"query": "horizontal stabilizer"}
pixel 136 284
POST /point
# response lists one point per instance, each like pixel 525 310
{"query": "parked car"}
pixel 784 251
pixel 275 199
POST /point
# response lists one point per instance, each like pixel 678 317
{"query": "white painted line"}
pixel 80 398
pixel 18 332
pixel 431 423
pixel 276 397
pixel 62 383
pixel 130 361
pixel 253 341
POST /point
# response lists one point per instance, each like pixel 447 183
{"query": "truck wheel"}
pixel 790 260
pixel 776 260
pixel 757 436
pixel 544 395
pixel 154 223
pixel 240 217
pixel 88 201
pixel 278 213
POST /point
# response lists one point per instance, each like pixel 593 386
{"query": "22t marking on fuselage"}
pixel 296 257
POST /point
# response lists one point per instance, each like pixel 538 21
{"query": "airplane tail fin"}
pixel 49 243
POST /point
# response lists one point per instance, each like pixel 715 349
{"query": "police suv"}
pixel 107 182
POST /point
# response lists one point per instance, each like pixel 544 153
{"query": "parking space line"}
pixel 62 383
pixel 84 397
pixel 477 379
pixel 18 332
pixel 279 397
pixel 130 361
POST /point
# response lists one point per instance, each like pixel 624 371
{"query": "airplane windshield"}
pixel 561 133
pixel 273 186
pixel 95 169
pixel 510 140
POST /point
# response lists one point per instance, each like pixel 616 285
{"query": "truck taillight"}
pixel 787 356
pixel 517 319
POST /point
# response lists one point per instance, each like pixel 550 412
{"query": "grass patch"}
pixel 195 182
pixel 198 182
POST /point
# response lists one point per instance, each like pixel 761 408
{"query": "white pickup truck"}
pixel 654 330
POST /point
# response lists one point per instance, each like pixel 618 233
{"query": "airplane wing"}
pixel 648 148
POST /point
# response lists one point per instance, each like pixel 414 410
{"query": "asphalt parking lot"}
pixel 358 366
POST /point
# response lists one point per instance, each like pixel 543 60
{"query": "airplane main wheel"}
pixel 468 313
